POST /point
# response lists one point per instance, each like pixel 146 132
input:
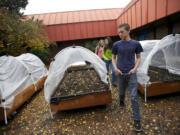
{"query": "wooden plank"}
pixel 19 100
pixel 76 67
pixel 160 88
pixel 40 82
pixel 83 101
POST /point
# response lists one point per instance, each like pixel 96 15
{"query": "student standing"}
pixel 107 57
pixel 99 48
pixel 126 49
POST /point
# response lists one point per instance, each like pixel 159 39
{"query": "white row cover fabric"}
pixel 17 73
pixel 80 63
pixel 164 53
pixel 66 58
pixel 147 46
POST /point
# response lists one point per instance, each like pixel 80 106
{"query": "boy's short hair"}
pixel 125 25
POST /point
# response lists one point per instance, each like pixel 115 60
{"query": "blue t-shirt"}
pixel 126 50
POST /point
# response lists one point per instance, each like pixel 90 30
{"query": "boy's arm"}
pixel 114 64
pixel 138 60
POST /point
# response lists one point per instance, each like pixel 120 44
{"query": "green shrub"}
pixel 44 55
pixel 17 34
pixel 91 45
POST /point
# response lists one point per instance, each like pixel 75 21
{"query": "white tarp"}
pixel 163 54
pixel 17 73
pixel 65 59
pixel 147 46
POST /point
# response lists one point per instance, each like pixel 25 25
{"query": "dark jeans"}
pixel 129 80
pixel 109 63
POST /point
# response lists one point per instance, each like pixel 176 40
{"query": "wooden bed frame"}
pixel 90 100
pixel 21 97
pixel 159 88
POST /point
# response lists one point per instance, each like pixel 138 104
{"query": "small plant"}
pixel 91 45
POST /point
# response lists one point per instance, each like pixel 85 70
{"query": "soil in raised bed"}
pixel 159 74
pixel 78 82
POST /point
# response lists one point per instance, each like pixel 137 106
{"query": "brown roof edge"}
pixel 72 11
pixel 82 22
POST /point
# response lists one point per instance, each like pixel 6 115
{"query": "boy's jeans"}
pixel 109 63
pixel 129 80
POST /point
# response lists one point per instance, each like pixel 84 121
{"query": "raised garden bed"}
pixel 22 97
pixel 159 74
pixel 77 82
pixel 162 82
pixel 80 87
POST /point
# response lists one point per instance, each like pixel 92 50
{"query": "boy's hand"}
pixel 118 71
pixel 132 71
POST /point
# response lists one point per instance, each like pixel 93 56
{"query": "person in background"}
pixel 107 57
pixel 126 66
pixel 99 48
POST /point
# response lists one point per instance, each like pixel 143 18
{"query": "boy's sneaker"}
pixel 137 125
pixel 122 104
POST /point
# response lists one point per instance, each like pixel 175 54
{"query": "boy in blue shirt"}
pixel 126 49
